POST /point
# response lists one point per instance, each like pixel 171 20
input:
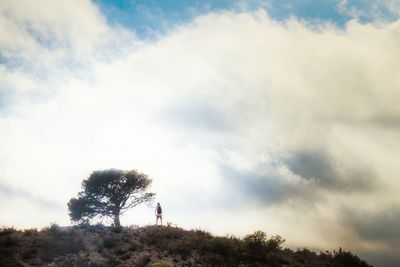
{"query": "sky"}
pixel 281 116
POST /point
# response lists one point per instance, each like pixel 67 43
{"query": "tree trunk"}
pixel 116 220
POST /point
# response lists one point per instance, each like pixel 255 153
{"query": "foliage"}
pixel 217 250
pixel 346 258
pixel 152 246
pixel 31 231
pixel 109 193
pixel 110 242
pixel 10 242
pixel 258 246
pixel 29 253
pixel 7 230
pixel 144 260
pixel 59 243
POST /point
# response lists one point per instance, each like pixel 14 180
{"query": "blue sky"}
pixel 155 16
pixel 151 17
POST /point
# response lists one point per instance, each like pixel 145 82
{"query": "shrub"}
pixel 125 256
pixel 7 231
pixel 134 246
pixel 255 245
pixel 8 261
pixel 120 251
pixel 29 253
pixel 47 256
pixel 10 242
pixel 279 258
pixel 256 239
pixel 143 261
pixel 53 247
pixel 156 235
pixel 110 242
pixel 96 228
pixel 345 258
pixel 305 256
pixel 190 241
pixel 30 231
pixel 54 229
pixel 258 246
pixel 147 246
pixel 117 229
pixel 82 262
pixel 273 243
pixel 227 247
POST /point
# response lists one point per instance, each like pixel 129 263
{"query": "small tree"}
pixel 109 193
pixel 258 246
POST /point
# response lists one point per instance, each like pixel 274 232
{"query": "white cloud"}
pixel 371 10
pixel 237 90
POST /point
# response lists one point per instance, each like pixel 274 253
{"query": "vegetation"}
pixel 109 193
pixel 99 245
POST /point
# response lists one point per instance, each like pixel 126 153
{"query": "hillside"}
pixel 154 246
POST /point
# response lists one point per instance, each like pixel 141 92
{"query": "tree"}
pixel 109 193
pixel 259 246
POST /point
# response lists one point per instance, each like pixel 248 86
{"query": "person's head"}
pixel 158 203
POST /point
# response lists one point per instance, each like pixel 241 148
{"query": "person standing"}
pixel 158 213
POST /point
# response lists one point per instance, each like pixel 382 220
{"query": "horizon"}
pixel 280 116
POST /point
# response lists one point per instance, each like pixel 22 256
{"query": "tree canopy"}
pixel 109 193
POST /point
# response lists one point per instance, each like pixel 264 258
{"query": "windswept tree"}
pixel 109 193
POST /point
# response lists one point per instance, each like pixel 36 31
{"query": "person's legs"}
pixel 158 217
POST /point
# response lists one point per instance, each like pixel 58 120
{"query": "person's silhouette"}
pixel 158 213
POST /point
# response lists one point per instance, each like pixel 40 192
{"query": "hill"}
pixel 98 245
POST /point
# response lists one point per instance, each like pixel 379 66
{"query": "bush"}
pixel 29 232
pixel 7 231
pixel 29 253
pixel 117 229
pixel 110 242
pixel 10 242
pixel 60 246
pixel 157 235
pixel 258 246
pixel 255 245
pixel 54 229
pixel 142 246
pixel 190 241
pixel 96 228
pixel 256 239
pixel 273 243
pixel 125 256
pixel 345 258
pixel 229 248
pixel 143 261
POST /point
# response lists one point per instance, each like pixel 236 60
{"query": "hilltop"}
pixel 98 245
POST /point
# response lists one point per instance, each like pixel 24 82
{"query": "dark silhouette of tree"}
pixel 109 193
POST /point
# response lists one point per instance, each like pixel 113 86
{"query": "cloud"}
pixel 378 231
pixel 198 115
pixel 372 10
pixel 380 259
pixel 7 192
pixel 378 227
pixel 267 186
pixel 303 178
pixel 317 166
pixel 233 113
